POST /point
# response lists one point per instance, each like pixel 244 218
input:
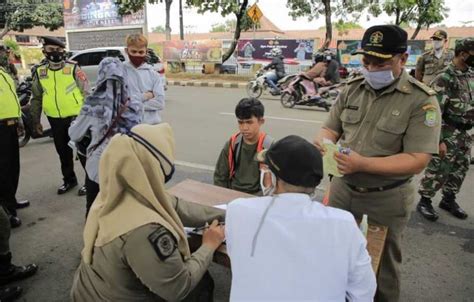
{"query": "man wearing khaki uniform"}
pixel 391 123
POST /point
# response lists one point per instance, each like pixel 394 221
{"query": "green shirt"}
pixel 247 172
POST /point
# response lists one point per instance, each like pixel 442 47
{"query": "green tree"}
pixel 158 29
pixel 228 25
pixel 226 8
pixel 429 12
pixel 24 14
pixel 13 45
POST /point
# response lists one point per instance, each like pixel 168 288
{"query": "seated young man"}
pixel 236 168
pixel 286 246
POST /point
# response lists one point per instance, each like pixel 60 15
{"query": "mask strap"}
pixel 262 220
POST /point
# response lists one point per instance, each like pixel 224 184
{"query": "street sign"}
pixel 255 13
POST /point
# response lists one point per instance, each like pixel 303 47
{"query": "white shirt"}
pixel 303 252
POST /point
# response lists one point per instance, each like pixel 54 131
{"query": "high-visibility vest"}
pixel 61 96
pixel 264 142
pixel 9 104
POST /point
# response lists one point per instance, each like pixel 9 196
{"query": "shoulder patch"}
pixel 163 242
pixel 422 86
pixel 357 78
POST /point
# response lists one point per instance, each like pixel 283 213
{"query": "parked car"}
pixel 89 60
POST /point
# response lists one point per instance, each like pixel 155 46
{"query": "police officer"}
pixel 455 92
pixel 391 123
pixel 435 60
pixel 59 88
pixel 10 125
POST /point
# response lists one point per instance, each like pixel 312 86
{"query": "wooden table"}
pixel 210 195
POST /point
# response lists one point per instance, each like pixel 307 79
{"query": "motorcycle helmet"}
pixel 276 52
pixel 318 57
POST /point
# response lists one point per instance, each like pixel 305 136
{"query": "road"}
pixel 438 257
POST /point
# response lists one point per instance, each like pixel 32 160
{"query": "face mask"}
pixel 328 58
pixel 438 45
pixel 55 56
pixel 267 191
pixel 137 61
pixel 378 79
pixel 470 61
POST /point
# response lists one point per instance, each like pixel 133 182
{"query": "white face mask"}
pixel 438 45
pixel 378 79
pixel 267 191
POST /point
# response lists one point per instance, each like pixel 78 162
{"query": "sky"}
pixel 277 12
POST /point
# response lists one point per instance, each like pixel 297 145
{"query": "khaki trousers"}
pixel 390 208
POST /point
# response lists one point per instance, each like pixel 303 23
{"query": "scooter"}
pixel 258 84
pixel 303 91
pixel 24 96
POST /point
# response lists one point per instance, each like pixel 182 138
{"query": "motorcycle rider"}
pixel 318 71
pixel 279 70
pixel 332 73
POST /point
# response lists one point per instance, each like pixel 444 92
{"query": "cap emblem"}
pixel 376 37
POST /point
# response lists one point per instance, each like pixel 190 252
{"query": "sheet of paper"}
pixel 221 206
pixel 329 163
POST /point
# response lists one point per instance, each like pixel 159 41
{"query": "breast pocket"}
pixel 350 123
pixel 388 135
pixel 429 68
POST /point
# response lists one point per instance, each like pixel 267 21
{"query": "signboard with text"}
pixel 101 38
pixel 299 51
pixel 193 51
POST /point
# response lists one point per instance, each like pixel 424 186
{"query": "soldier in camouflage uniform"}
pixel 455 92
pixel 432 62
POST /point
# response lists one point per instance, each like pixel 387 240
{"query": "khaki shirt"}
pixel 129 269
pixel 403 118
pixel 429 65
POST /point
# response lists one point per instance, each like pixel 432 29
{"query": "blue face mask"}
pixel 378 79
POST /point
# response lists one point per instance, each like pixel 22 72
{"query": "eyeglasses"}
pixel 166 165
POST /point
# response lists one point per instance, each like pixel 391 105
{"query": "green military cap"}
pixel 466 44
pixel 439 35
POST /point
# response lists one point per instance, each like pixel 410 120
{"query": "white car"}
pixel 89 60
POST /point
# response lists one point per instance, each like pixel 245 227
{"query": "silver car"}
pixel 89 60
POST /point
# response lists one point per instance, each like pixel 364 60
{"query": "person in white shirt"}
pixel 287 247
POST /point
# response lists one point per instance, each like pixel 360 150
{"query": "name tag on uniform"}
pixel 350 107
pixel 67 70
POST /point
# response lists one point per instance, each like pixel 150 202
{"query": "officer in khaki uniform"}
pixel 435 60
pixel 135 247
pixel 59 88
pixel 391 123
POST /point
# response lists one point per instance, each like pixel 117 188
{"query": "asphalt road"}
pixel 438 257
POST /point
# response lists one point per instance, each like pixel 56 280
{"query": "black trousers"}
pixel 92 190
pixel 9 167
pixel 59 128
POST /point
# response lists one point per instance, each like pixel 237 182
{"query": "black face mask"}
pixel 470 61
pixel 55 56
pixel 165 163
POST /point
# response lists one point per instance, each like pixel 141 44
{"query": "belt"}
pixel 378 189
pixel 459 126
pixel 8 122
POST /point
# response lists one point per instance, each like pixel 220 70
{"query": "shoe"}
pixel 82 191
pixel 426 210
pixel 14 221
pixel 16 273
pixel 10 293
pixel 274 92
pixel 66 187
pixel 453 208
pixel 20 204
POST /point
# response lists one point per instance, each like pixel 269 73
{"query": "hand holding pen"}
pixel 213 235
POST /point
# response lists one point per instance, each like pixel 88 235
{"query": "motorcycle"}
pixel 24 96
pixel 303 91
pixel 258 85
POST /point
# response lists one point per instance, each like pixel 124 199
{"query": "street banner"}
pixel 79 14
pixel 209 51
pixel 345 47
pixel 294 51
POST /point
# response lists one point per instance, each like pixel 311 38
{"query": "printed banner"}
pixel 259 50
pixel 193 51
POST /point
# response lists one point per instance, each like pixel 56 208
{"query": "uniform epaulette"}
pixel 71 62
pixel 422 86
pixel 355 79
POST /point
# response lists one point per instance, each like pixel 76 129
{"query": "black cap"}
pixel 383 41
pixel 440 35
pixel 53 41
pixel 294 160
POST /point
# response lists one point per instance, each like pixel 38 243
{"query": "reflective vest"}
pixel 61 96
pixel 264 142
pixel 9 104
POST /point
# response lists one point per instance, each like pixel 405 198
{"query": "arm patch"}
pixel 163 242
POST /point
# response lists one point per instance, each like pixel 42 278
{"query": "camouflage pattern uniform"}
pixel 455 92
pixel 430 65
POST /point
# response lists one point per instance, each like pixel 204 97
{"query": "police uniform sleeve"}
pixel 36 100
pixel 221 172
pixel 333 122
pixel 196 215
pixel 152 254
pixel 81 81
pixel 424 126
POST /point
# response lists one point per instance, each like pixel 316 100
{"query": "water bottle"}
pixel 364 225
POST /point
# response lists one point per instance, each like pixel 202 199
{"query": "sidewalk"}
pixel 207 83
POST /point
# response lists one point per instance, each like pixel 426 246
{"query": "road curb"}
pixel 207 84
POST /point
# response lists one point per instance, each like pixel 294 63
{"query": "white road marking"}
pixel 280 118
pixel 194 165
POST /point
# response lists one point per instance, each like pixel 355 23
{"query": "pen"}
pixel 206 226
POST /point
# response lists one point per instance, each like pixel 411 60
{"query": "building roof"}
pixel 39 31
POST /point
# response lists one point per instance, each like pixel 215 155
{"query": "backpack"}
pixel 264 142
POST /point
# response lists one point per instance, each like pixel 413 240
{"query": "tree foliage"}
pixel 158 29
pixel 19 15
pixel 227 26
